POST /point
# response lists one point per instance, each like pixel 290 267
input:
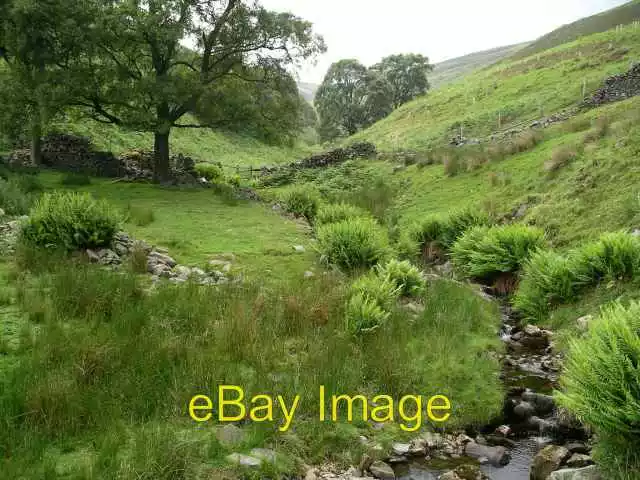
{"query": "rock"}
pixel 418 447
pixel 450 475
pixel 500 441
pixel 395 459
pixel 583 322
pixel 159 269
pixel 264 454
pixel 636 232
pixel 182 272
pixel 244 460
pixel 470 472
pixel 524 410
pixel 587 473
pixel 108 257
pixel 497 456
pixel 400 448
pixel 230 434
pixel 577 447
pixel 414 308
pixel 92 255
pixel 158 257
pixel 2 214
pixel 309 274
pixel 532 331
pixel 504 430
pixel 547 461
pixel 299 248
pixel 433 440
pixel 381 470
pixel 579 460
pixel 543 404
pixel 541 425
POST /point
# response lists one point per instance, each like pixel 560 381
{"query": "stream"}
pixel 529 367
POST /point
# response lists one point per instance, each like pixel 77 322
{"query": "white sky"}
pixel 440 29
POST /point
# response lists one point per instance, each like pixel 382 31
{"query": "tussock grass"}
pixel 337 212
pixel 111 368
pixel 560 158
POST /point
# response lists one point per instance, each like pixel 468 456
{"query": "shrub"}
pixel 140 216
pixel 438 233
pixel 302 201
pixel 452 165
pixel 559 158
pixel 548 279
pixel 13 200
pixel 601 386
pixel 70 221
pixel 599 130
pixel 209 171
pixel 337 212
pixel 75 179
pixel 364 314
pixel 382 290
pixel 404 276
pixel 526 141
pixel 29 183
pixel 353 244
pixel 485 254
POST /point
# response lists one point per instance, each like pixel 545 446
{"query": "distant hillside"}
pixel 450 70
pixel 308 90
pixel 623 15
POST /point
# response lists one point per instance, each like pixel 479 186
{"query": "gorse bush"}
pixel 14 200
pixel 302 201
pixel 70 221
pixel 353 244
pixel 210 172
pixel 486 253
pixel 550 279
pixel 404 276
pixel 337 212
pixel 601 386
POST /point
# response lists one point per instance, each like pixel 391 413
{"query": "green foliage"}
pixel 485 253
pixel 407 75
pixel 601 386
pixel 550 279
pixel 13 200
pixel 302 201
pixel 70 221
pixel 337 212
pixel 140 216
pixel 364 314
pixel 75 180
pixel 383 290
pixel 209 171
pixel 405 276
pixel 440 232
pixel 353 244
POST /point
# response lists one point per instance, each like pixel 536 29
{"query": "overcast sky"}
pixel 440 29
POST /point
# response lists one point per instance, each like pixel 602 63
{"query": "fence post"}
pixel 499 120
pixel 584 88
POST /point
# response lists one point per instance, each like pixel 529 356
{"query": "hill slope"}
pixel 623 15
pixel 455 68
pixel 511 92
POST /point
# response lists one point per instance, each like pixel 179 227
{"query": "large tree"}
pixel 351 97
pixel 37 40
pixel 152 62
pixel 407 75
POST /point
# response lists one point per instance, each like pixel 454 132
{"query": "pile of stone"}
pixel 616 88
pixel 530 349
pixel 564 462
pixel 9 231
pixel 327 159
pixel 159 264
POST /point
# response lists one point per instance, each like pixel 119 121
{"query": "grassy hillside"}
pixel 509 93
pixel 456 68
pixel 623 15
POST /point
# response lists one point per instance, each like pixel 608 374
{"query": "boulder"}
pixel 230 434
pixel 577 447
pixel 497 456
pixel 264 454
pixel 244 460
pixel 587 473
pixel 579 460
pixel 546 461
pixel 583 322
pixel 382 471
pixel 524 410
pixel 543 404
pixel 470 472
pixel 400 448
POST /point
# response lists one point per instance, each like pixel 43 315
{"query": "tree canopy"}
pixel 352 96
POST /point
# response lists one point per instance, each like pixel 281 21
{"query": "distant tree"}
pixel 139 73
pixel 37 40
pixel 350 97
pixel 407 75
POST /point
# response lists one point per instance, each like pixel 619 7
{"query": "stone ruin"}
pixel 616 88
pixel 71 153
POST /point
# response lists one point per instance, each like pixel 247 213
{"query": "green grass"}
pixel 204 145
pixel 196 224
pixel 103 383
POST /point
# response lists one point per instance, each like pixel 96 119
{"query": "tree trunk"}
pixel 161 156
pixel 36 141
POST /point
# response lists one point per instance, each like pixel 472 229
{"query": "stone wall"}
pixel 616 88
